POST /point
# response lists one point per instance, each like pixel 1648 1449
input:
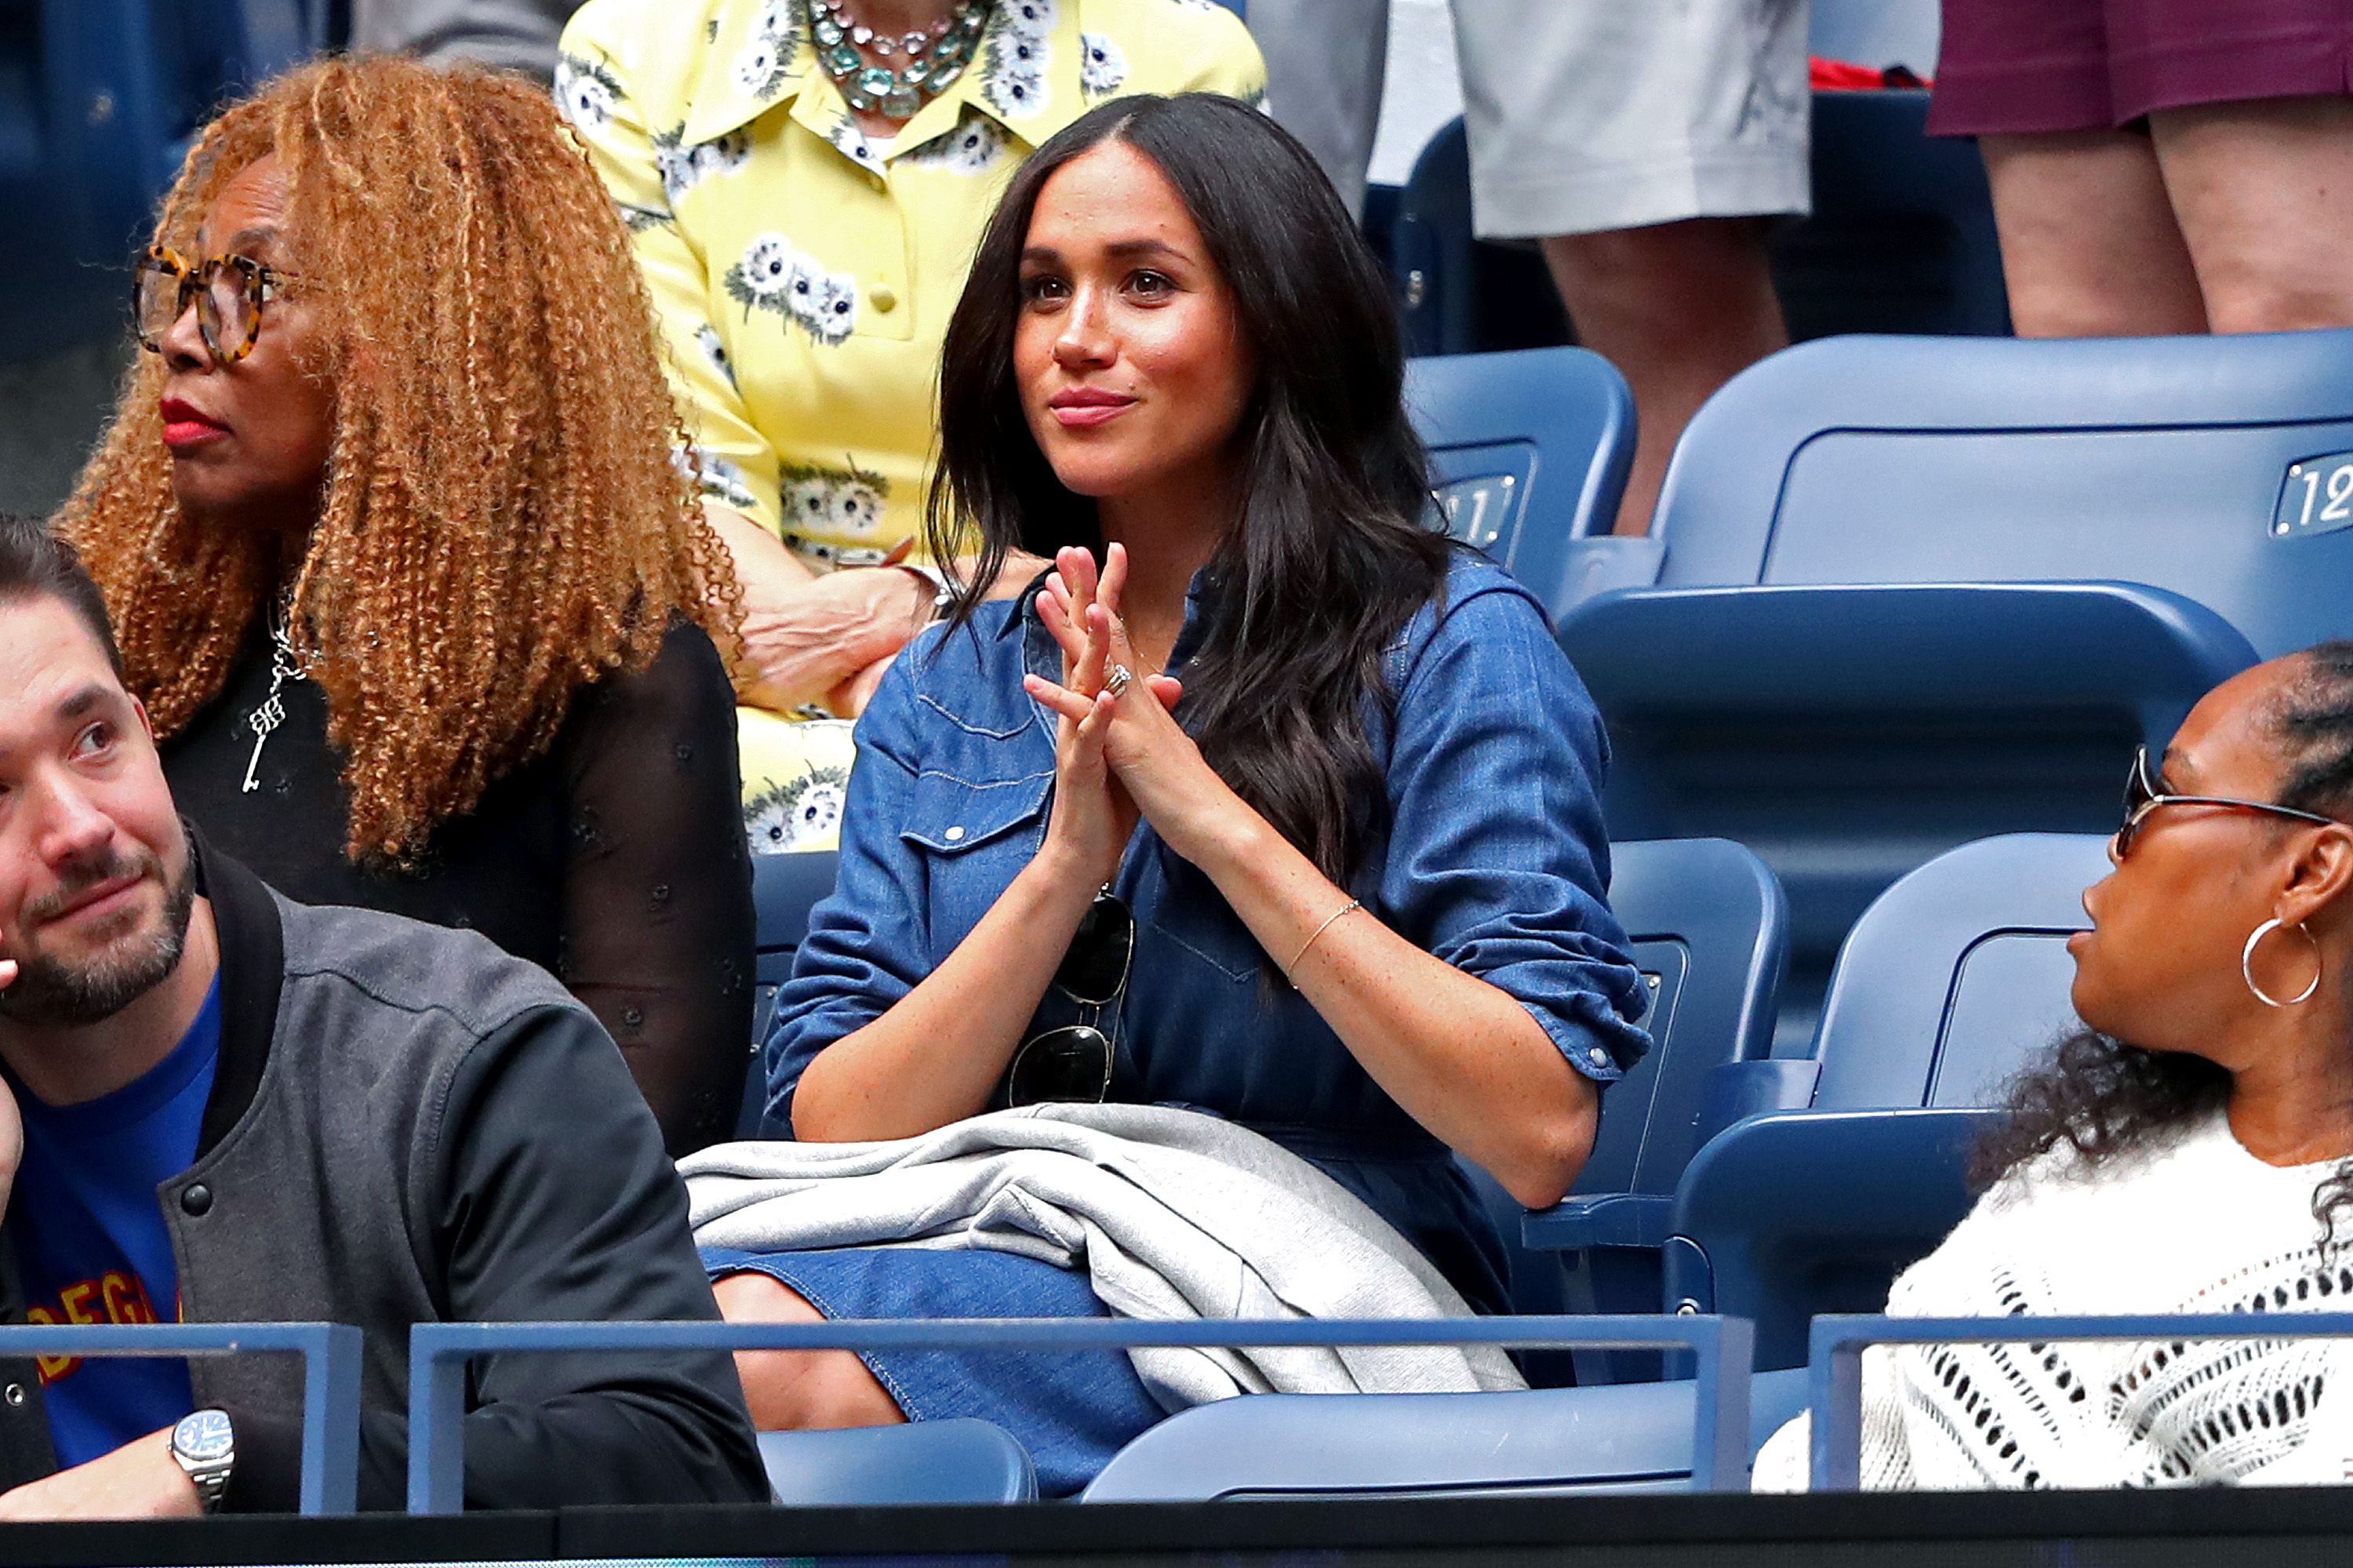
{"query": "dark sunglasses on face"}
pixel 2145 792
pixel 229 292
pixel 1072 1064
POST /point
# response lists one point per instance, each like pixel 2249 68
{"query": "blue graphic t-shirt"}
pixel 91 1241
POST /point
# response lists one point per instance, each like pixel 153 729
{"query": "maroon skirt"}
pixel 2016 66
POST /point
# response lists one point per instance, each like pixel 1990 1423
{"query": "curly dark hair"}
pixel 2104 1097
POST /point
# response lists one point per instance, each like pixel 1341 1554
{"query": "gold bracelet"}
pixel 1352 904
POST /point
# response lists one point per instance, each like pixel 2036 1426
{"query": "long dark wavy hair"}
pixel 1329 555
pixel 2105 1098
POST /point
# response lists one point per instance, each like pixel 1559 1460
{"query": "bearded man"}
pixel 218 1106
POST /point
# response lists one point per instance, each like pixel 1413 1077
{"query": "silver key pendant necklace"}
pixel 285 665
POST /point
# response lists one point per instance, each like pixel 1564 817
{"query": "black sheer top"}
pixel 616 859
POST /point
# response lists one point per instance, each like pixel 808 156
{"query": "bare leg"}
pixel 2263 192
pixel 798 1391
pixel 2089 243
pixel 1680 308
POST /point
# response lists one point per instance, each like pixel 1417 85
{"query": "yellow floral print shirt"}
pixel 804 277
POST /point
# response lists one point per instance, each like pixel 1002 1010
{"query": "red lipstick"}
pixel 185 427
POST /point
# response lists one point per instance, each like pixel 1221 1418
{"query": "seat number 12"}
pixel 2317 497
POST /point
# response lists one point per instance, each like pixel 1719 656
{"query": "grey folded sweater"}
pixel 1170 1213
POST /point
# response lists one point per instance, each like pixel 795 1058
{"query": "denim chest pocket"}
pixel 973 837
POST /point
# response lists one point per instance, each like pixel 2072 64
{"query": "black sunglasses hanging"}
pixel 1072 1064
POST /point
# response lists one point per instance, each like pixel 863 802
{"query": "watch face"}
pixel 203 1435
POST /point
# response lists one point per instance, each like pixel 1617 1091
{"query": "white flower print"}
pixel 835 556
pixel 773 276
pixel 820 500
pixel 640 219
pixel 802 289
pixel 765 275
pixel 683 168
pixel 805 812
pixel 1035 17
pixel 850 141
pixel 1017 93
pixel 1102 68
pixel 836 314
pixel 807 503
pixel 857 507
pixel 759 67
pixel 706 338
pixel 585 92
pixel 779 22
pixel 722 155
pixel 1016 70
pixel 720 478
pixel 972 148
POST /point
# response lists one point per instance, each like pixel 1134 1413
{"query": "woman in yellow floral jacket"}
pixel 806 181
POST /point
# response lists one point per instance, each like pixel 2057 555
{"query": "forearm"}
pixel 1461 1056
pixel 936 1056
pixel 803 635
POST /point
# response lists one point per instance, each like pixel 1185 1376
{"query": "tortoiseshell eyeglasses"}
pixel 229 292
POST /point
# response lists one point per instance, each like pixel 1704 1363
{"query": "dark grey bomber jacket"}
pixel 407 1126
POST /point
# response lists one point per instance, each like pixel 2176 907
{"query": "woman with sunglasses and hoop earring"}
pixel 2188 1151
pixel 1268 801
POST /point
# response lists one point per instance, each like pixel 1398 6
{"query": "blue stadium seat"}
pixel 99 100
pixel 1529 453
pixel 1951 981
pixel 2034 509
pixel 1848 734
pixel 1710 932
pixel 785 888
pixel 1634 1438
pixel 962 1460
pixel 1901 238
pixel 2219 468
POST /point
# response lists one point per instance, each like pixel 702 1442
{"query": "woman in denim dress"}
pixel 1355 818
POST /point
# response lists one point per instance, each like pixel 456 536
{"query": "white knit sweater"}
pixel 2192 1225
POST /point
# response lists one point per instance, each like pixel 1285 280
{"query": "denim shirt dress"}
pixel 1493 857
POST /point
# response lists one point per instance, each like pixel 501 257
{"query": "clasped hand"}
pixel 1116 756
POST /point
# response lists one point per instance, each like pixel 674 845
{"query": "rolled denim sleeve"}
pixel 868 942
pixel 1498 859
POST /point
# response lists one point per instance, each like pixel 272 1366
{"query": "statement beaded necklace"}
pixel 867 65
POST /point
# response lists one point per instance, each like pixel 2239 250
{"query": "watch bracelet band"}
pixel 944 593
pixel 210 1477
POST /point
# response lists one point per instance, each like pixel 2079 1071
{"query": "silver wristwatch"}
pixel 942 594
pixel 206 1447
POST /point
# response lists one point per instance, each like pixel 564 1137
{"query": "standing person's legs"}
pixel 1325 64
pixel 2089 244
pixel 2263 193
pixel 1644 144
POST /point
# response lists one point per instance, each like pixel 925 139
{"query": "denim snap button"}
pixel 953 834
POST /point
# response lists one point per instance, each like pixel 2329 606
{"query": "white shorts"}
pixel 1587 115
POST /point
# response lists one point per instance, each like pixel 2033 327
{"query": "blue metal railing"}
pixel 1839 1340
pixel 438 1354
pixel 331 1380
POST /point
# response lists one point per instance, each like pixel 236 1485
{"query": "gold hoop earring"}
pixel 2247 965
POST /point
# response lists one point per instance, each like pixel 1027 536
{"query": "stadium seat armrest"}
pixel 1737 1090
pixel 1869 648
pixel 1824 1175
pixel 1601 562
pixel 1610 1219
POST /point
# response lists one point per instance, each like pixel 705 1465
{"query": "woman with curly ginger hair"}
pixel 401 564
pixel 2189 1152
